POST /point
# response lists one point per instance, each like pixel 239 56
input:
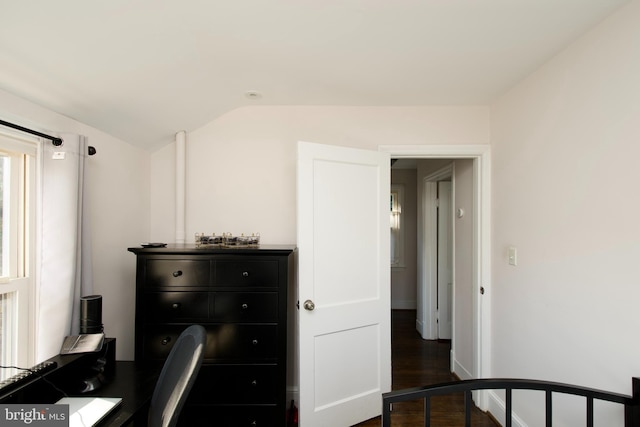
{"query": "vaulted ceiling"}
pixel 142 70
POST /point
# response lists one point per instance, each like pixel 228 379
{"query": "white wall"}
pixel 118 180
pixel 241 167
pixel 163 194
pixel 565 146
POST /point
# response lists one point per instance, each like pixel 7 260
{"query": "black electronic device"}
pixel 100 371
pixel 27 375
pixel 91 314
pixel 70 374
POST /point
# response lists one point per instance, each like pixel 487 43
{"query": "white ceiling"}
pixel 142 70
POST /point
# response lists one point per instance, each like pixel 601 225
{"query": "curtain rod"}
pixel 54 140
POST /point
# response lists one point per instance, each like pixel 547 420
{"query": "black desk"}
pixel 134 383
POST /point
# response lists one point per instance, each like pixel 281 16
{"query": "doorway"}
pixel 476 306
pixel 421 217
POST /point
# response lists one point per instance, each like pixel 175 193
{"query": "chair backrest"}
pixel 177 377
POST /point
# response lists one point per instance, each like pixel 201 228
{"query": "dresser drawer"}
pixel 179 272
pixel 176 306
pixel 245 306
pixel 246 273
pixel 225 384
pixel 224 342
pixel 232 416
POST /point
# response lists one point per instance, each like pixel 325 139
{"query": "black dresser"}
pixel 240 296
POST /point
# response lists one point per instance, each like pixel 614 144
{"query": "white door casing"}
pixel 445 260
pixel 481 155
pixel 343 271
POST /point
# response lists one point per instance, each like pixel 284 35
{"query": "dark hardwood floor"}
pixel 416 362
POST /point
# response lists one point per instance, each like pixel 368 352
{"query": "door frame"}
pixel 445 261
pixel 481 156
pixel 427 283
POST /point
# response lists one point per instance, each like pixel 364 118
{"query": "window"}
pixel 17 221
pixel 397 230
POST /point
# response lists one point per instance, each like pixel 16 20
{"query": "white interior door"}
pixel 344 284
pixel 445 260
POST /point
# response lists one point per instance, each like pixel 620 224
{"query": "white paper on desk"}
pixel 88 411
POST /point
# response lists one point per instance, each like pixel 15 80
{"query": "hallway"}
pixel 417 362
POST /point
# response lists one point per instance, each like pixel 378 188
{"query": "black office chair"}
pixel 177 377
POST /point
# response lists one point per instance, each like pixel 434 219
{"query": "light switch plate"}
pixel 513 255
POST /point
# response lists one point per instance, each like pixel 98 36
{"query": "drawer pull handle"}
pixel 254 383
pixel 175 305
pixel 254 423
pixel 166 341
pixel 254 342
pixel 177 273
pixel 245 306
pixel 245 274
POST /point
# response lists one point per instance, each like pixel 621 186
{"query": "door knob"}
pixel 309 305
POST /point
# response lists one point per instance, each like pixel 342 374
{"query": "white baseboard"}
pixel 401 304
pixel 459 369
pixel 497 407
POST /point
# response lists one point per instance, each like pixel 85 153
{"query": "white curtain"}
pixel 63 262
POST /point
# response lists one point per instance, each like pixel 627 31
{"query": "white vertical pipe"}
pixel 181 170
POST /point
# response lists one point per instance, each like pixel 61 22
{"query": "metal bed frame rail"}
pixel 631 403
